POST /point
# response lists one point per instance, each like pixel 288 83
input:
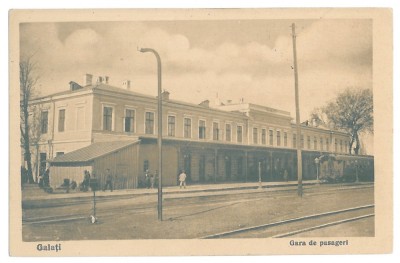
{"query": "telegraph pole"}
pixel 298 129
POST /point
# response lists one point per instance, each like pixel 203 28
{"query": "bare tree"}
pixel 351 111
pixel 28 79
pixel 318 118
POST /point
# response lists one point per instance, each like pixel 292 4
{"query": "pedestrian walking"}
pixel 285 176
pixel 109 180
pixel 40 180
pixel 182 179
pixel 86 181
pixel 46 178
pixel 152 181
pixel 147 179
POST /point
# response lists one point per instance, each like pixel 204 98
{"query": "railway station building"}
pixel 95 126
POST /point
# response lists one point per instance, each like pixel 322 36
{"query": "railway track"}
pixel 189 201
pixel 169 196
pixel 293 226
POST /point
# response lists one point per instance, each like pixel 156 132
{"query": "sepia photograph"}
pixel 204 131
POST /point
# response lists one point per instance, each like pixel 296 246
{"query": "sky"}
pixel 231 59
pixel 250 59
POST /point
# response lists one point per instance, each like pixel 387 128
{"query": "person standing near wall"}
pixel 109 180
pixel 182 179
pixel 147 179
pixel 46 178
pixel 285 176
pixel 152 180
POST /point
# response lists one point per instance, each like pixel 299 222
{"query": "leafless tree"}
pixel 351 111
pixel 29 132
pixel 319 118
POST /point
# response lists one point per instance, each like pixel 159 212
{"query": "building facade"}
pixel 212 143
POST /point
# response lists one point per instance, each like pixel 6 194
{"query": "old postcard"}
pixel 200 132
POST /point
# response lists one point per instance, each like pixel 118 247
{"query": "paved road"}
pixel 189 217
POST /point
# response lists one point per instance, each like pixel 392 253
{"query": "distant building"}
pixel 95 126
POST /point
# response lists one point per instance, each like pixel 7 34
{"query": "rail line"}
pixel 149 207
pixel 170 196
pixel 293 220
pixel 322 226
pixel 111 212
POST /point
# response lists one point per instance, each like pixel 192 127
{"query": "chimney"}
pixel 126 84
pixel 165 95
pixel 217 101
pixel 74 86
pixel 100 79
pixel 106 79
pixel 205 103
pixel 87 79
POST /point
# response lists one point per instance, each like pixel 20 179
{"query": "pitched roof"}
pixel 92 151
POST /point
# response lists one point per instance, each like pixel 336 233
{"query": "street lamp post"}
pixel 298 129
pixel 159 138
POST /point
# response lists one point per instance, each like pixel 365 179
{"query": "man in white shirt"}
pixel 182 179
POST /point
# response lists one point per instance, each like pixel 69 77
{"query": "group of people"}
pixel 84 186
pixel 44 179
pixel 151 180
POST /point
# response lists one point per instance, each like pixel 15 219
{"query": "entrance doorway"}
pixel 202 168
pixel 228 167
pixel 42 166
pixel 187 165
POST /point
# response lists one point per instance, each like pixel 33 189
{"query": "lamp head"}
pixel 144 49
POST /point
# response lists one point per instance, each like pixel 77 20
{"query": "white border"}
pixel 24 4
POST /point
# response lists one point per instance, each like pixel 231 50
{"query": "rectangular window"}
pixel 341 146
pixel 202 129
pixel 315 143
pixel 228 129
pixel 61 120
pixel 278 138
pixel 171 126
pixel 255 135
pixel 263 136
pixel 271 137
pixel 302 141
pixel 44 121
pixel 107 118
pixel 215 131
pixel 149 125
pixel 285 139
pixel 308 142
pixel 129 120
pixel 321 144
pixel 239 133
pixel 187 132
pixel 327 144
pixel 294 141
